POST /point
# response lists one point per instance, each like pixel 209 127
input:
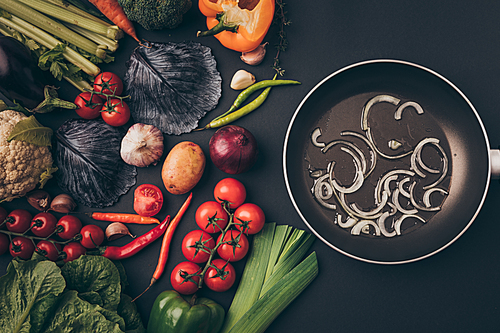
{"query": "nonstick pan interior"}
pixel 336 103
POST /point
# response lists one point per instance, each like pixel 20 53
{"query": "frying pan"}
pixel 335 104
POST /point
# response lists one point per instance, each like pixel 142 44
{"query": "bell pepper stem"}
pixel 223 25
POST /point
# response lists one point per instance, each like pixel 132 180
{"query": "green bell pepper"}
pixel 174 313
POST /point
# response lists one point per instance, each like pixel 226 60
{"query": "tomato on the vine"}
pixel 68 226
pixel 18 220
pixel 197 246
pixel 234 247
pixel 4 243
pixel 230 190
pixel 249 218
pixel 92 236
pixel 22 247
pixel 211 217
pixel 182 279
pixel 220 276
pixel 73 251
pixel 48 249
pixel 108 83
pixel 89 105
pixel 43 224
pixel 148 200
pixel 115 112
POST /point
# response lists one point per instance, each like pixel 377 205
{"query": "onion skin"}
pixel 233 149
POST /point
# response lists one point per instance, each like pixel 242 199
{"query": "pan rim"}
pixel 388 61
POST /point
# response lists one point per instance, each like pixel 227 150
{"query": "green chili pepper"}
pixel 253 88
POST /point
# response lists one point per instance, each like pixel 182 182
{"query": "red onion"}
pixel 233 149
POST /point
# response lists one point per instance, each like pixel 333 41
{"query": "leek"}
pixel 273 277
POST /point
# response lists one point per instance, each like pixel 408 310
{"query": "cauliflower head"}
pixel 21 163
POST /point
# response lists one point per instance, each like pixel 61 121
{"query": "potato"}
pixel 183 167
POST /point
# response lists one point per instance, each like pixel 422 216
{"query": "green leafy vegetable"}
pixel 30 130
pixel 27 292
pixel 96 279
pixel 35 297
pixel 54 61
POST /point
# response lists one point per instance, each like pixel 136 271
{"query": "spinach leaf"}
pixel 28 292
pixel 96 279
pixel 77 315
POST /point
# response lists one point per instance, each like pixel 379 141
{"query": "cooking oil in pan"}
pixel 378 165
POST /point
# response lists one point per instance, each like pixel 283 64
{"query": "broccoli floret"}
pixel 156 14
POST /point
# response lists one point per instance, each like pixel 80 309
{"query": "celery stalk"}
pixel 271 304
pixel 57 29
pixel 70 17
pixel 50 42
pixel 252 278
pixel 111 44
pixel 66 5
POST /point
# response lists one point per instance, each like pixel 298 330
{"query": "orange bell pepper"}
pixel 238 25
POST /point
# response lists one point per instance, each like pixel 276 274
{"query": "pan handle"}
pixel 495 163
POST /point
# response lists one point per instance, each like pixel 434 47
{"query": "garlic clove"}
pixel 142 145
pixel 39 199
pixel 117 230
pixel 242 79
pixel 62 203
pixel 255 56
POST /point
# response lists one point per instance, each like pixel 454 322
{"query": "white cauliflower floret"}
pixel 21 163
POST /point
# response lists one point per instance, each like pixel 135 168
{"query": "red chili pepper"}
pixel 128 250
pixel 123 218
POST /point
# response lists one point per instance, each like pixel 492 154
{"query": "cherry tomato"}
pixel 4 243
pixel 73 251
pixel 43 224
pixel 148 200
pixel 235 246
pixel 230 190
pixel 115 112
pixel 48 249
pixel 250 218
pixel 18 220
pixel 180 280
pixel 92 236
pixel 211 217
pixel 89 105
pixel 197 246
pixel 68 226
pixel 22 247
pixel 221 278
pixel 108 83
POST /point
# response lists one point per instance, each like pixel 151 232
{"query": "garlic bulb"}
pixel 142 145
pixel 242 79
pixel 255 56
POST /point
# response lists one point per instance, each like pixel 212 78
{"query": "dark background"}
pixel 455 290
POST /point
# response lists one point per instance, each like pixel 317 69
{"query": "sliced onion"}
pixel 314 138
pixel 416 204
pixel 381 225
pixel 415 105
pixel 395 201
pixel 373 154
pixel 349 222
pixel 319 185
pixel 356 230
pixel 350 145
pixel 427 195
pixel 401 188
pixel 370 214
pixel 444 171
pixel 358 178
pixel 399 222
pixel 370 103
pixel 380 184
